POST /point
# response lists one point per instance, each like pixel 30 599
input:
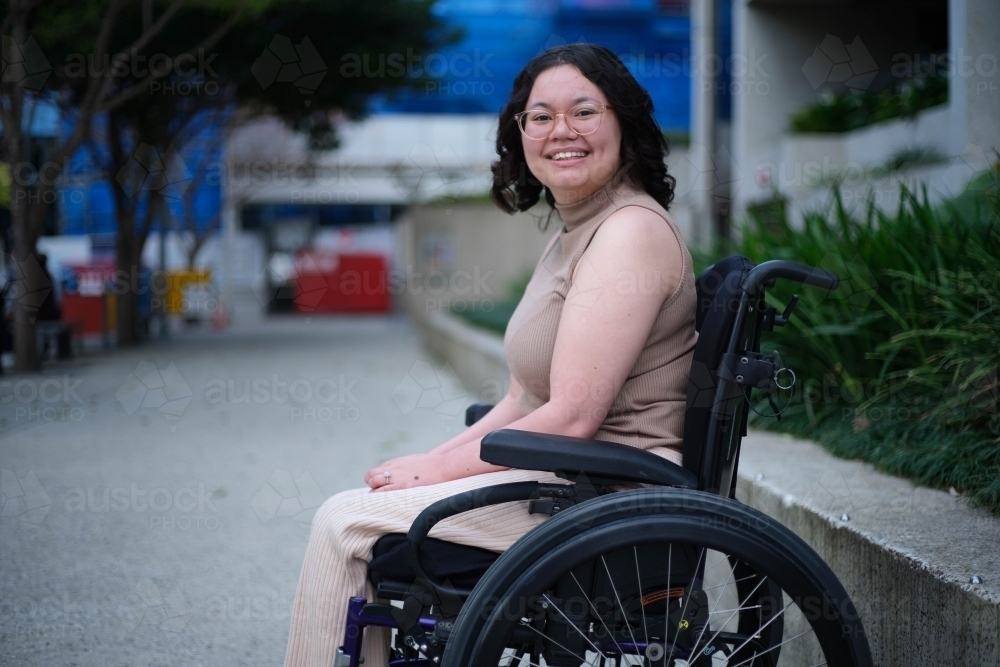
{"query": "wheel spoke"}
pixel 769 621
pixel 739 608
pixel 756 655
pixel 735 581
pixel 726 611
pixel 746 615
pixel 574 626
pixel 711 612
pixel 606 629
pixel 536 630
pixel 521 659
pixel 666 621
pixel 642 607
pixel 724 558
pixel 614 588
pixel 687 600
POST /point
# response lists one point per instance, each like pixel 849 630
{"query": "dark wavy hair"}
pixel 643 149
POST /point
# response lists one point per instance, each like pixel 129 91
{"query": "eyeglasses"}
pixel 539 123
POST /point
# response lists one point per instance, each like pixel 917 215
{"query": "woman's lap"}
pixel 359 511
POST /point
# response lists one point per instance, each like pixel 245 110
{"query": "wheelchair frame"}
pixel 727 363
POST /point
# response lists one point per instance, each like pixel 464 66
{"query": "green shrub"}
pixel 495 314
pixel 899 365
pixel 853 109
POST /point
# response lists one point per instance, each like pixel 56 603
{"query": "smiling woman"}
pixel 553 107
pixel 599 346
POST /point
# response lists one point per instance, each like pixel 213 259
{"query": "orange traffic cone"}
pixel 220 318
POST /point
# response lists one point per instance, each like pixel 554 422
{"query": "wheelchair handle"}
pixel 780 268
pixel 457 504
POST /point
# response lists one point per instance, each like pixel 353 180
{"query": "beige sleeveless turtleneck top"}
pixel 649 410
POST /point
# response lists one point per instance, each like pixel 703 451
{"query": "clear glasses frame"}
pixel 567 116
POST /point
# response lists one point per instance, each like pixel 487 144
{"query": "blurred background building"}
pixel 766 103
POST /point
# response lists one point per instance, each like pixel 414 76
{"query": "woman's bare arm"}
pixel 629 269
pixel 503 413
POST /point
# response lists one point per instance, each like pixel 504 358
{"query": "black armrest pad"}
pixel 476 411
pixel 526 450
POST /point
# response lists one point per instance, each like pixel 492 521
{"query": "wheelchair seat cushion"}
pixel 457 564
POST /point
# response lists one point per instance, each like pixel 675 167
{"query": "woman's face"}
pixel 595 156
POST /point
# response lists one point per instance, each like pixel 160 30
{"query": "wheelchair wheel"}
pixel 659 577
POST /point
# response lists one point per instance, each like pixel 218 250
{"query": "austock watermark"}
pixel 970 394
pixel 150 605
pixel 184 508
pixel 961 63
pixel 326 399
pixel 186 73
pixel 459 289
pixel 48 617
pixel 458 73
pixel 850 64
pixel 49 400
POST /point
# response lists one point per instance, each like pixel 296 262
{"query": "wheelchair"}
pixel 672 571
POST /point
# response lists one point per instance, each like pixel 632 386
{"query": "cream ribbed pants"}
pixel 345 529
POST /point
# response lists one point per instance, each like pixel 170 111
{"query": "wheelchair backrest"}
pixel 715 418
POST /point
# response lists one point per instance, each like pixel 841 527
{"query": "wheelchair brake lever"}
pixel 782 320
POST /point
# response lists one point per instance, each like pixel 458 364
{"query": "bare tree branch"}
pixel 137 89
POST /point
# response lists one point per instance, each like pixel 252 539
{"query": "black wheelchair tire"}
pixel 656 515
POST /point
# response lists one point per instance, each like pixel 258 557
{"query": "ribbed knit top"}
pixel 649 410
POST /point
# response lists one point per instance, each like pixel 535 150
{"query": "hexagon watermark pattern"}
pixel 834 62
pixel 24 64
pixel 963 174
pixel 285 495
pixel 428 172
pixel 30 286
pixel 305 276
pixel 23 498
pixel 153 606
pixel 857 283
pixel 284 62
pixel 147 169
pixel 721 176
pixel 424 387
pixel 148 387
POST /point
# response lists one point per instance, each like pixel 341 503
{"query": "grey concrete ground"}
pixel 156 502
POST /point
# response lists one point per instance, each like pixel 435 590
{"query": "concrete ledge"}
pixel 474 354
pixel 905 554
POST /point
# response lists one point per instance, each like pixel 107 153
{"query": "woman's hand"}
pixel 406 472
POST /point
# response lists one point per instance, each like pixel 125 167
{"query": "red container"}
pixel 86 313
pixel 86 305
pixel 330 283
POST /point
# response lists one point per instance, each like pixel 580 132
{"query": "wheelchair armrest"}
pixel 476 411
pixel 571 457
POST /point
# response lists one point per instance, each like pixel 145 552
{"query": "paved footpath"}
pixel 156 502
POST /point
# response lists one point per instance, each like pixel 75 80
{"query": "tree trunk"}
pixel 127 280
pixel 25 350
